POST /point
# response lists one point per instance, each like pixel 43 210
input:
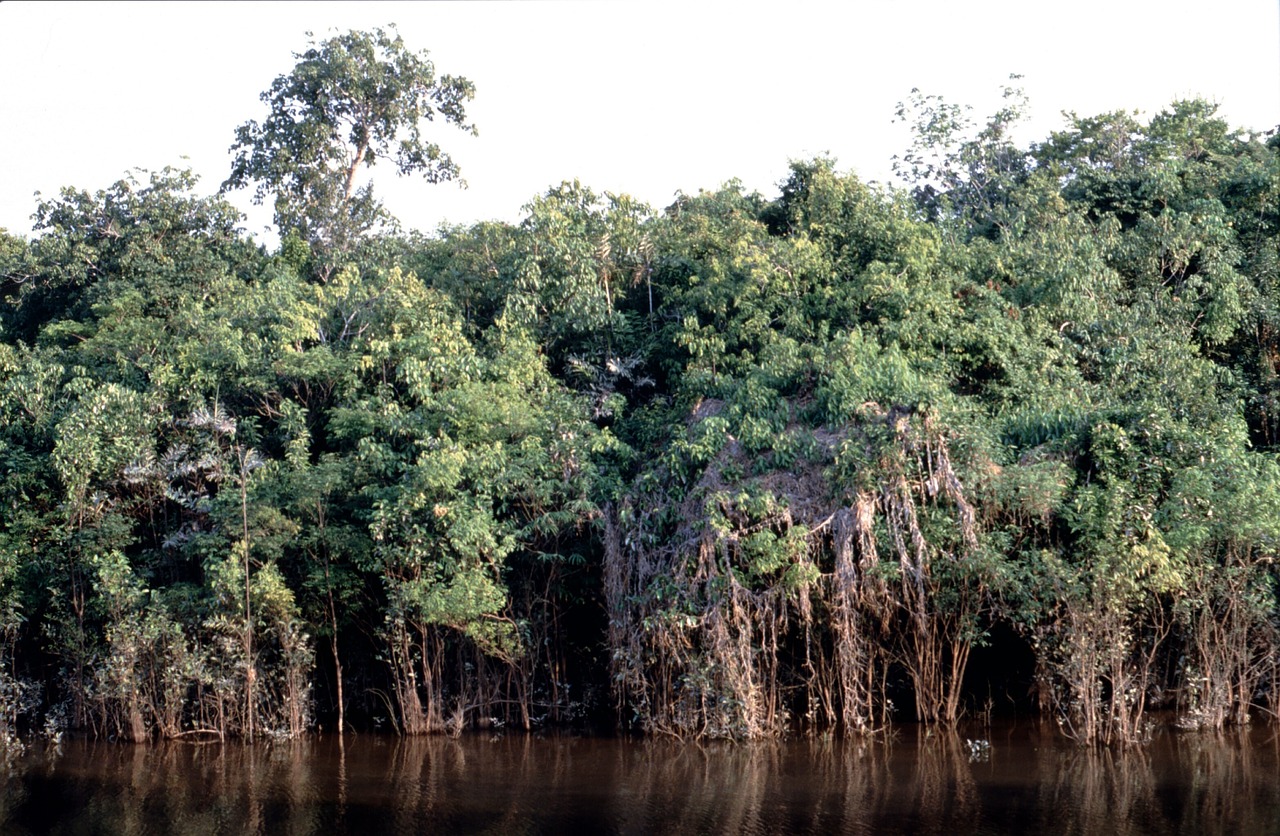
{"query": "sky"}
pixel 646 98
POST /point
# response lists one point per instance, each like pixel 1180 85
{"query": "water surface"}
pixel 1028 781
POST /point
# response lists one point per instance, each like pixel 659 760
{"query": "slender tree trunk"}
pixel 337 666
pixel 333 620
pixel 333 645
pixel 250 672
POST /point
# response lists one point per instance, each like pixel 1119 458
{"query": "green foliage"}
pixel 352 100
pixel 958 174
pixel 753 464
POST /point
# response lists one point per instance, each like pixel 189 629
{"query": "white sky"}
pixel 646 97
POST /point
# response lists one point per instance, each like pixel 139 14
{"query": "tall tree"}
pixel 350 101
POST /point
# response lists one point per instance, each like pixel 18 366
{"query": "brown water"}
pixel 1029 781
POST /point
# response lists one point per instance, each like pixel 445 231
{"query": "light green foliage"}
pixel 582 253
pixel 105 437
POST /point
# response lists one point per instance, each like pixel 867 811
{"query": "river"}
pixel 1006 778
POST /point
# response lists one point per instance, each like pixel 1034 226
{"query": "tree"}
pixel 957 172
pixel 149 237
pixel 351 101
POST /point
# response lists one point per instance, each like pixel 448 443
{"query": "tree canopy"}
pixel 739 467
pixel 351 101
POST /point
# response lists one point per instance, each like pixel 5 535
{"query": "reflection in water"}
pixel 1101 791
pixel 927 782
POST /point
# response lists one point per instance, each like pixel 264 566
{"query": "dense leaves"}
pixel 740 467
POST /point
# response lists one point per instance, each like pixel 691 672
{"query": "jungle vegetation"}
pixel 1005 435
